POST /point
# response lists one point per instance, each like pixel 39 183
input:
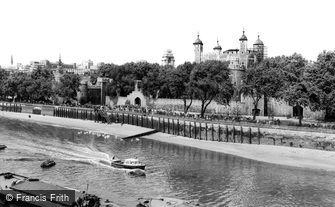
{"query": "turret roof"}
pixel 243 37
pixel 198 41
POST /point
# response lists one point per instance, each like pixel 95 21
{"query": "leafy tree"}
pixel 295 90
pixel 41 84
pixel 260 81
pixel 68 86
pixel 321 77
pixel 125 75
pixel 179 84
pixel 3 78
pixel 210 80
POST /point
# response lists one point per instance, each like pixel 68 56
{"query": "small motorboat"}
pixel 2 146
pixel 131 163
pixel 165 202
pixel 48 163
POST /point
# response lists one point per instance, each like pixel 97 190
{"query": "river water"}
pixel 214 179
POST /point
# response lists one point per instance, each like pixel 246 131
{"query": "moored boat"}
pixel 131 163
pixel 48 163
pixel 2 146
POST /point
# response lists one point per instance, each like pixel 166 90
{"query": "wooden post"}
pixel 227 134
pixel 241 135
pixel 178 127
pixel 141 121
pixel 148 121
pixel 136 119
pixel 219 133
pixel 163 125
pixel 259 136
pixel 128 119
pixel 200 130
pixel 172 126
pixel 159 123
pixel 195 130
pixel 152 122
pixel 234 134
pixel 250 136
pixel 189 129
pixel 122 118
pixel 206 128
pixel 168 125
pixel 212 132
pixel 184 129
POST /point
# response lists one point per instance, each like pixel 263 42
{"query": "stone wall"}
pixel 275 107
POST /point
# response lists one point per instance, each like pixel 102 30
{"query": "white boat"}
pixel 131 163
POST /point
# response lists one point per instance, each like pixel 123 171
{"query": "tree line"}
pixel 206 81
pixel 38 86
pixel 292 79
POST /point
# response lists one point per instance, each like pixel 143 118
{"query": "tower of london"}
pixel 239 59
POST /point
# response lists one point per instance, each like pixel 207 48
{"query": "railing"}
pixel 192 129
pixel 11 107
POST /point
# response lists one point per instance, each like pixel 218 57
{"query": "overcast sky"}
pixel 133 30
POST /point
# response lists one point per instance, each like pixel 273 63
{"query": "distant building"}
pixel 168 58
pixel 87 64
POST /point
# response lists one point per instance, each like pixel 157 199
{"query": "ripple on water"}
pixel 175 171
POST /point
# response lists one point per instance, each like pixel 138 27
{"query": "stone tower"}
pixel 198 47
pixel 168 58
pixel 258 48
pixel 243 43
pixel 217 49
pixel 243 53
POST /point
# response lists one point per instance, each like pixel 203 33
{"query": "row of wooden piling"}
pixel 190 129
pixel 11 107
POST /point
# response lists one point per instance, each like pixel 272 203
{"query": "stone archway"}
pixel 138 101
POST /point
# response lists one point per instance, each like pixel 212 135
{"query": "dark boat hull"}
pixel 3 147
pixel 122 165
pixel 47 165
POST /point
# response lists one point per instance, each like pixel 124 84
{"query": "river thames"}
pixel 214 179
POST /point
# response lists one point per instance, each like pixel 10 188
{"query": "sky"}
pixel 117 32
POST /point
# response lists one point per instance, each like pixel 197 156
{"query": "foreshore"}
pixel 290 156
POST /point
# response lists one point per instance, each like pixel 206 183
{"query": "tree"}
pixel 210 80
pixel 40 88
pixel 260 81
pixel 295 90
pixel 3 78
pixel 125 75
pixel 180 84
pixel 68 87
pixel 321 76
